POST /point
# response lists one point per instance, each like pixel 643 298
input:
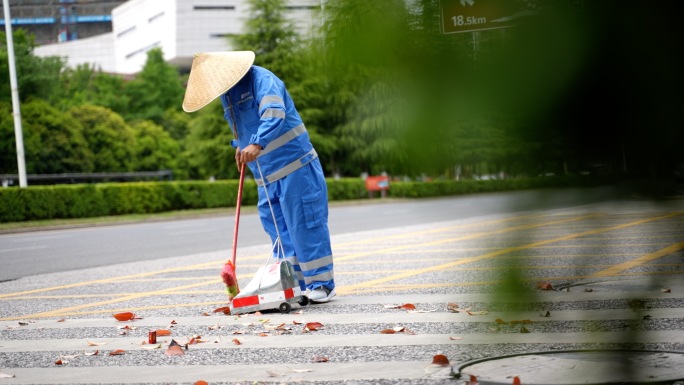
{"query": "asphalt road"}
pixel 553 287
pixel 38 252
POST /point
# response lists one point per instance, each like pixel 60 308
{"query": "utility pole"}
pixel 16 112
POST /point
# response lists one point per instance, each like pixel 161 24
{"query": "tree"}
pixel 272 37
pixel 86 85
pixel 208 152
pixel 364 51
pixel 155 89
pixel 109 138
pixel 53 141
pixel 154 148
pixel 37 77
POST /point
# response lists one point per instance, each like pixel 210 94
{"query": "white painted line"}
pixel 15 249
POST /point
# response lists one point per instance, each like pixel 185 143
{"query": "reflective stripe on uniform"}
pixel 273 113
pixel 289 169
pixel 270 99
pixel 322 277
pixel 316 263
pixel 284 138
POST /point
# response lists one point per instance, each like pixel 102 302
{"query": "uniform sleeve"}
pixel 269 91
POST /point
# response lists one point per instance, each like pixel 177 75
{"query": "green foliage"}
pixel 109 138
pixel 86 85
pixel 154 148
pixel 90 200
pixel 272 37
pixel 53 141
pixel 37 77
pixel 208 152
pixel 155 89
pixel 8 151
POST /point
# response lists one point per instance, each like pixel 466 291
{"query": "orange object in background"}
pixel 377 183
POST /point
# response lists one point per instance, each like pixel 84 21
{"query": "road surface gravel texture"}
pixel 433 303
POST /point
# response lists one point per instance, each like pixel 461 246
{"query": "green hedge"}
pixel 93 200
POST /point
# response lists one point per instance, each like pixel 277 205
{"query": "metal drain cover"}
pixel 579 367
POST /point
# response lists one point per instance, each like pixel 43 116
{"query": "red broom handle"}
pixel 237 211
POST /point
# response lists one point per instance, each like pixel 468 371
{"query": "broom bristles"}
pixel 229 278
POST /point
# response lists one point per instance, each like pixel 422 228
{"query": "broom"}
pixel 228 274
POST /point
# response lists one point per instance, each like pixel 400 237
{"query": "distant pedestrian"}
pixel 270 138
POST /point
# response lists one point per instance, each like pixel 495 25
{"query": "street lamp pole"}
pixel 16 112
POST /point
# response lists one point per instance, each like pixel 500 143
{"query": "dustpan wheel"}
pixel 284 307
pixel 303 301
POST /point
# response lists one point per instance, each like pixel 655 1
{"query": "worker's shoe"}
pixel 320 295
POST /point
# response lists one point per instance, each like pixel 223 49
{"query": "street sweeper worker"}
pixel 271 139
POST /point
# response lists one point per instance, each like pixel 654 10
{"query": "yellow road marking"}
pixel 363 285
pixel 456 239
pixel 341 290
pixel 617 269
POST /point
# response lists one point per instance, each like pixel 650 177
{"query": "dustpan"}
pixel 274 285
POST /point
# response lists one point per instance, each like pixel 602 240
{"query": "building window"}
pixel 155 17
pixel 125 31
pixel 301 7
pixel 213 7
pixel 144 49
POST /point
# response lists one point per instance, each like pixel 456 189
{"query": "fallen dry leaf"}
pixel 236 341
pixel 516 380
pixel 117 352
pixel 387 331
pixel 201 382
pixel 224 310
pixel 127 316
pixel 478 312
pixel 174 350
pixel 666 291
pixel 440 359
pixel 93 343
pixel 313 326
pixel 545 285
pixel 6 375
pixel 524 321
pixel 319 359
pixel 147 346
pixel 588 290
pixel 406 306
pixel 455 338
pixel 163 332
pixel 61 320
pixel 546 314
pixel 91 353
pixel 524 330
pixel 472 381
pixel 59 362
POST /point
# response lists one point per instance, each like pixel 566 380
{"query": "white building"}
pixel 181 28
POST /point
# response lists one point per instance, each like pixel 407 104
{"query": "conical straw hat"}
pixel 212 74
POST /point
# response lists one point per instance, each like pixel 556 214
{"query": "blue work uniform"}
pixel 293 178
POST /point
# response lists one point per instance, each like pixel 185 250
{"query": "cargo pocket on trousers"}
pixel 313 212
